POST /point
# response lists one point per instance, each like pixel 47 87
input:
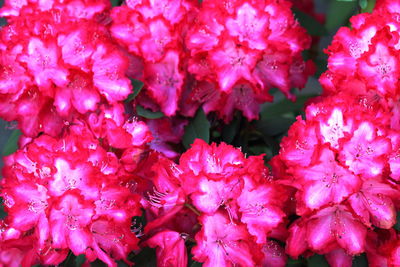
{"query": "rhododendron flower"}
pixel 167 133
pixel 225 181
pixel 342 186
pixel 274 255
pixel 154 32
pixel 218 187
pixel 339 257
pixel 364 57
pixel 326 182
pixel 62 191
pixel 170 248
pixel 59 62
pixel 328 229
pixel 383 248
pixel 79 9
pixel 245 49
pixel 223 243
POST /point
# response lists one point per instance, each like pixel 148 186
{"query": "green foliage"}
pixel 338 14
pixel 148 114
pixel 116 2
pixel 145 258
pixel 317 261
pixel 313 26
pixel 365 5
pixel 295 263
pixel 137 87
pixel 195 264
pixel 397 225
pixel 199 127
pixel 3 214
pixel 12 143
pixel 229 131
pixel 79 260
pixel 360 261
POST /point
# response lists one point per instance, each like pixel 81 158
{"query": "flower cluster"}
pixel 343 162
pixel 245 49
pixel 232 199
pixel 343 159
pixel 241 49
pixel 58 61
pixel 154 31
pixel 365 57
pixel 88 163
pixel 66 194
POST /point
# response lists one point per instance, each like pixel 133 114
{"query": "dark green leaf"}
pixel 261 149
pixel 122 264
pixel 145 258
pixel 116 2
pixel 338 13
pixel 284 106
pixel 294 263
pixel 274 126
pixel 196 264
pixel 98 263
pixel 199 127
pixel 367 5
pixel 312 26
pixel 397 225
pixel 229 131
pixel 79 260
pixel 3 214
pixel 148 114
pixel 363 4
pixel 317 261
pixel 12 143
pixel 360 261
pixel 137 87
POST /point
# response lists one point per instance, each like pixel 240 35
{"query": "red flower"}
pixel 328 229
pixel 70 193
pixel 64 64
pixel 250 46
pixel 170 249
pixel 224 243
pixel 154 31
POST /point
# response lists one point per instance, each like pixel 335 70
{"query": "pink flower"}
pixel 338 258
pixel 366 153
pixel 233 64
pixel 223 243
pixel 64 61
pixel 165 81
pixel 326 182
pixel 170 248
pixel 274 255
pixel 69 220
pixel 69 193
pixel 261 210
pixel 154 32
pixel 365 55
pixel 374 204
pixel 249 26
pixel 239 45
pixel 329 228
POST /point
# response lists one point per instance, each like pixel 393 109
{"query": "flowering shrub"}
pixel 344 172
pixel 58 62
pixel 142 136
pixel 235 200
pixel 67 193
pixel 247 48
